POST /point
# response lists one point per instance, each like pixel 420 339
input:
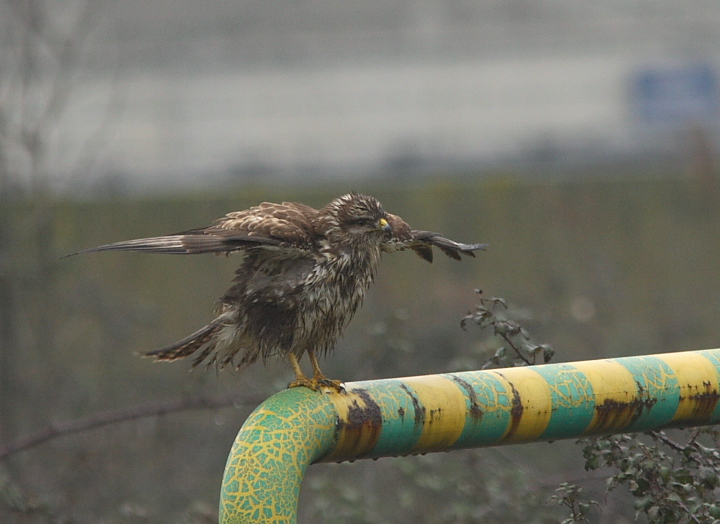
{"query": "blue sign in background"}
pixel 676 95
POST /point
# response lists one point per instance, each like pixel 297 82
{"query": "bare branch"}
pixel 659 435
pixel 106 418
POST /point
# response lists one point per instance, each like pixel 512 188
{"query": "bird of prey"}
pixel 304 274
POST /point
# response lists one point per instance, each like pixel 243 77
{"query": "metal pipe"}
pixel 406 416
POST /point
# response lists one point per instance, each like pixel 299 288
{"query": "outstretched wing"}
pixel 283 226
pixel 422 242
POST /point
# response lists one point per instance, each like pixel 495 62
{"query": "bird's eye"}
pixel 363 221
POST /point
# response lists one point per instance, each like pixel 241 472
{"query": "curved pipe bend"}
pixel 395 417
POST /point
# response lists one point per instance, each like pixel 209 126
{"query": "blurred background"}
pixel 579 139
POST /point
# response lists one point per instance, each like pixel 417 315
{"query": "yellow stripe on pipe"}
pixel 698 381
pixel 616 395
pixel 531 404
pixel 443 412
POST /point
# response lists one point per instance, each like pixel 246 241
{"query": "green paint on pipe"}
pixel 298 427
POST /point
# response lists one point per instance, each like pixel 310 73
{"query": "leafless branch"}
pixel 658 435
pixel 106 418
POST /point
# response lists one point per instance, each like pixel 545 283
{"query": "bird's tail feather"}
pixel 180 244
pixel 203 339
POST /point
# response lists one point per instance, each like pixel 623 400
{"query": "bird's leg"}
pixel 300 379
pixel 319 380
pixel 319 377
pixel 299 375
pixel 317 372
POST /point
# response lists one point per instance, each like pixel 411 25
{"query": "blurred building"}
pixel 212 90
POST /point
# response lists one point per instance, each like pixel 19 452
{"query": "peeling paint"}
pixel 419 408
pixel 704 403
pixel 358 431
pixel 475 412
pixel 613 415
pixel 516 412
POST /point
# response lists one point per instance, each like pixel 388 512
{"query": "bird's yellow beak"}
pixel 384 225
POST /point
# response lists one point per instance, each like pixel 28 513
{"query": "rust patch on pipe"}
pixel 418 408
pixel 358 432
pixel 433 413
pixel 516 412
pixel 703 403
pixel 475 412
pixel 614 415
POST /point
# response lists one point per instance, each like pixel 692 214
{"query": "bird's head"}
pixel 357 218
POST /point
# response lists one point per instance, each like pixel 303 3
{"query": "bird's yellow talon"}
pixel 304 382
pixel 332 384
pixel 316 384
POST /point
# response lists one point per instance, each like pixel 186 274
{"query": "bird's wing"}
pixel 422 242
pixel 283 226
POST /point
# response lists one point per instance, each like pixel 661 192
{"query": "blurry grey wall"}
pixel 203 91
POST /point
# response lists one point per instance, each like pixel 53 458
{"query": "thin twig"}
pixel 517 351
pixel 123 415
pixel 667 441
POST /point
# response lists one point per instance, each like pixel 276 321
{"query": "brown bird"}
pixel 304 275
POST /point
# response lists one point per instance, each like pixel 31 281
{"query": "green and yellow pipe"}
pixel 396 417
